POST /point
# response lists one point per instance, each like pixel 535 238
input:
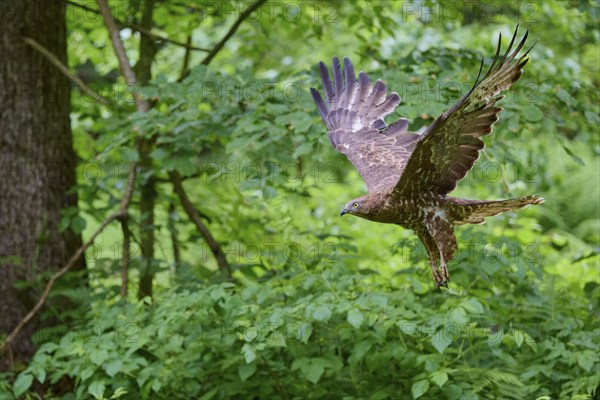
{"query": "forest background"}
pixel 180 142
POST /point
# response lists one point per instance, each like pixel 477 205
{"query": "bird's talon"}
pixel 441 283
pixel 445 275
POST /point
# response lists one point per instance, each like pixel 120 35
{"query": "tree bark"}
pixel 37 162
pixel 145 146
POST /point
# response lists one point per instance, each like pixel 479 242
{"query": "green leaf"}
pixel 472 306
pixel 77 224
pixel 47 348
pixel 532 113
pixel 459 317
pixel 249 353
pixel 360 349
pixel 113 367
pixel 159 154
pixel 321 313
pixel 419 388
pixel 277 339
pixel 22 383
pixel 129 155
pixel 574 156
pixel 184 165
pixel 277 109
pixel 586 359
pixel 439 378
pixel 452 392
pixel 355 318
pixel 269 192
pixel 96 389
pixel 529 341
pixel 592 117
pixel 119 392
pixel 98 356
pixel 299 363
pixel 86 373
pixel 314 369
pixel 407 327
pixel 300 121
pixel 209 395
pixel 441 340
pixel 65 222
pixel 185 125
pixel 245 371
pixel 565 97
pixel 303 149
pixel 519 337
pixel 304 332
pixel 39 372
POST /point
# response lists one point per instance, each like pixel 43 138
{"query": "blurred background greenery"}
pixel 316 306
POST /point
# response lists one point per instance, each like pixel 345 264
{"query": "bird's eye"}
pixel 355 205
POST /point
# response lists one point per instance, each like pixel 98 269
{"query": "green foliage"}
pixel 334 332
pixel 319 307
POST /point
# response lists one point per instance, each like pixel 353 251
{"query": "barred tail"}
pixel 464 211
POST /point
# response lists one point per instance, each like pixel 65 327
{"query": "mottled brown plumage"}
pixel 408 175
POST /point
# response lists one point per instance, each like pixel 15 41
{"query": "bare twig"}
pixel 122 211
pixel 113 31
pixel 217 47
pixel 173 231
pixel 194 215
pixel 141 29
pixel 65 70
pixel 124 219
pixel 185 68
pixel 115 39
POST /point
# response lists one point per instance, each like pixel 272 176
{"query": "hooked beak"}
pixel 344 211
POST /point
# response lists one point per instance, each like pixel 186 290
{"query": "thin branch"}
pixel 185 68
pixel 113 31
pixel 194 215
pixel 147 32
pixel 122 211
pixel 65 70
pixel 141 29
pixel 173 231
pixel 126 256
pixel 187 6
pixel 115 39
pixel 217 47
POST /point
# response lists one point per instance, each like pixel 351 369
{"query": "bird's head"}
pixel 361 207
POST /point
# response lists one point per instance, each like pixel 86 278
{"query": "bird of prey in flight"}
pixel 410 175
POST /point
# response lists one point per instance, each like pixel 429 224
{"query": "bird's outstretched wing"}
pixel 446 151
pixel 353 112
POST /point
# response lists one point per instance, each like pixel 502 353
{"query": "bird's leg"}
pixel 437 258
pixel 433 255
pixel 437 277
pixel 434 260
pixel 444 272
pixel 438 266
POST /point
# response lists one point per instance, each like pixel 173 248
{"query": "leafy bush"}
pixel 333 332
pixel 318 307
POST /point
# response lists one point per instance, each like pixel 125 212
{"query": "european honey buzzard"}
pixel 409 176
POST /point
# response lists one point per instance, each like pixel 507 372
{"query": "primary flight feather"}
pixel 409 176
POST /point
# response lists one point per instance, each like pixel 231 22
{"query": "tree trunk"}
pixel 145 146
pixel 37 162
